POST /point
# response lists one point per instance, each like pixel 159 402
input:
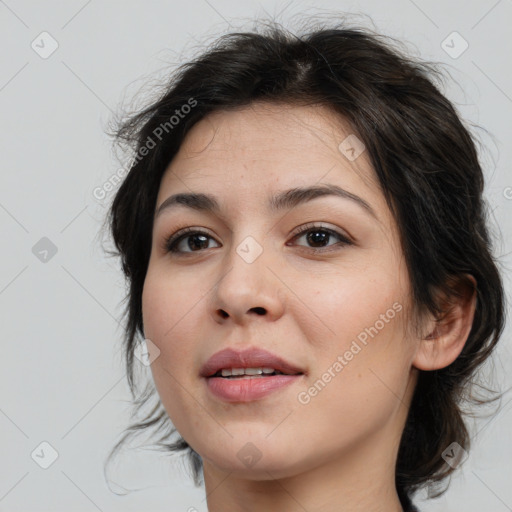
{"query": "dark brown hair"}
pixel 425 160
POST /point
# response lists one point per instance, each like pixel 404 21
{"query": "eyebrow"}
pixel 286 199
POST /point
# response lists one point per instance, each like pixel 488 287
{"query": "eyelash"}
pixel 171 242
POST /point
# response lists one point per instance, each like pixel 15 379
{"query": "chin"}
pixel 259 470
pixel 253 457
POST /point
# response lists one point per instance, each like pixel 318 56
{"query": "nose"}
pixel 247 289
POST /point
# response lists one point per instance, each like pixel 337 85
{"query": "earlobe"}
pixel 447 336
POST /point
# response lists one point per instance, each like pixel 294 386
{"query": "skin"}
pixel 338 451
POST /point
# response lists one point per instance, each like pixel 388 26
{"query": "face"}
pixel 319 281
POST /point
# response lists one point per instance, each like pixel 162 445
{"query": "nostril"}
pixel 259 311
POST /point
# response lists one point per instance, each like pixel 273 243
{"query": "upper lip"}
pixel 248 358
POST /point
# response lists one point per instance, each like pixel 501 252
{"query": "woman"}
pixel 303 232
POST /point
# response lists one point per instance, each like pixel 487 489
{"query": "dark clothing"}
pixel 407 503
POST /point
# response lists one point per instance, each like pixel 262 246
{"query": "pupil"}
pixel 197 246
pixel 312 238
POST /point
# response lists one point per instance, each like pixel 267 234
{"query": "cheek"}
pixel 356 388
pixel 157 302
pixel 167 301
pixel 361 358
pixel 350 301
pixel 170 322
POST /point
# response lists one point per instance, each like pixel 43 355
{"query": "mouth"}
pixel 249 373
pixel 251 362
pixel 252 374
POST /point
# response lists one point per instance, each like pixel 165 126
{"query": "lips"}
pixel 248 358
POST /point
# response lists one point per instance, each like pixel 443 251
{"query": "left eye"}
pixel 197 240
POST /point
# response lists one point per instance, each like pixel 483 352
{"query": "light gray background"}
pixel 61 378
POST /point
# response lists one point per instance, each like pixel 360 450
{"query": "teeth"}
pixel 228 372
pixel 253 371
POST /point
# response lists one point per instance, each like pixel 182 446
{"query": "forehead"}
pixel 265 147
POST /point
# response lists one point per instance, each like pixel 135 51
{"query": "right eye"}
pixel 189 237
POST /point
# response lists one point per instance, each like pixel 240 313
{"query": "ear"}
pixel 447 336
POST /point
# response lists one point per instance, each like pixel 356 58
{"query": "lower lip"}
pixel 248 389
